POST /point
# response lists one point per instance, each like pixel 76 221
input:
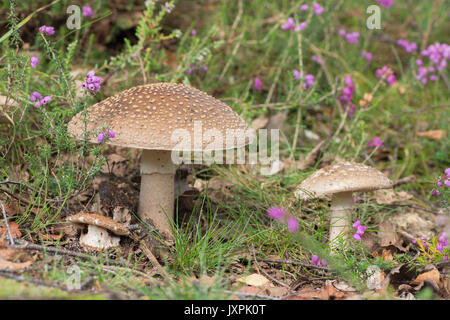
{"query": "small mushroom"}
pixel 146 117
pixel 340 181
pixel 103 233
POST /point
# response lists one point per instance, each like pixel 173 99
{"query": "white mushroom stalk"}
pixel 156 199
pixel 340 214
pixel 98 238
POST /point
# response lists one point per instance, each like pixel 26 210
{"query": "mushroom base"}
pixel 98 238
pixel 156 199
pixel 341 206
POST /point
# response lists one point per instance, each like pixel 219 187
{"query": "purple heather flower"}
pixel 356 224
pixel 439 184
pixel 35 96
pixel 367 55
pixel 315 259
pixel 292 224
pixel 92 82
pixel 447 183
pixel 100 137
pixel 46 99
pixel 438 54
pixel 34 61
pixel 111 134
pixel 352 37
pixel 257 83
pixel 297 74
pixel 386 72
pixel 447 172
pixel 316 59
pixel 435 192
pixel 194 32
pixel 376 142
pixel 433 77
pixel 289 24
pixel 301 26
pixel 168 7
pixel 276 213
pixel 360 229
pixel 318 9
pixel 47 30
pixel 309 78
pixel 385 3
pixel 87 11
pixel 342 32
pixel 408 46
pixel 37 104
pixel 304 7
pixel 419 62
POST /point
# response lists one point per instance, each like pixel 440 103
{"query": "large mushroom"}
pixel 152 117
pixel 339 181
pixel 102 232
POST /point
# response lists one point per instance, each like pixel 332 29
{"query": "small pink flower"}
pixel 276 213
pixel 34 61
pixel 301 26
pixel 87 11
pixel 100 137
pixel 47 30
pixel 257 83
pixel 292 224
pixel 385 3
pixel 194 32
pixel 304 7
pixel 318 9
pixel 367 55
pixel 297 74
pixel 111 134
pixel 376 142
pixel 289 24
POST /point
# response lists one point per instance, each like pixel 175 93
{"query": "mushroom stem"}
pixel 341 207
pixel 98 238
pixel 156 203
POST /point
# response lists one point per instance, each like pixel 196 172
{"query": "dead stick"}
pixel 11 239
pixel 295 263
pixel 31 246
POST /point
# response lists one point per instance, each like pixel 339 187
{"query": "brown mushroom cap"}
pixel 145 116
pixel 99 221
pixel 342 177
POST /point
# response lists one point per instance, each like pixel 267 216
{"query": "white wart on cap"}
pixel 146 117
pixel 339 181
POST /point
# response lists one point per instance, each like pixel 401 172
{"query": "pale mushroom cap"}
pixel 145 117
pixel 342 177
pixel 99 221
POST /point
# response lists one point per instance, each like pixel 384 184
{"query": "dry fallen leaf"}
pixel 14 260
pixel 255 280
pixel 433 134
pixel 433 275
pixel 15 233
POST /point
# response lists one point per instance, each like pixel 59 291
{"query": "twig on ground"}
pixel 58 251
pixel 297 263
pixel 11 239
